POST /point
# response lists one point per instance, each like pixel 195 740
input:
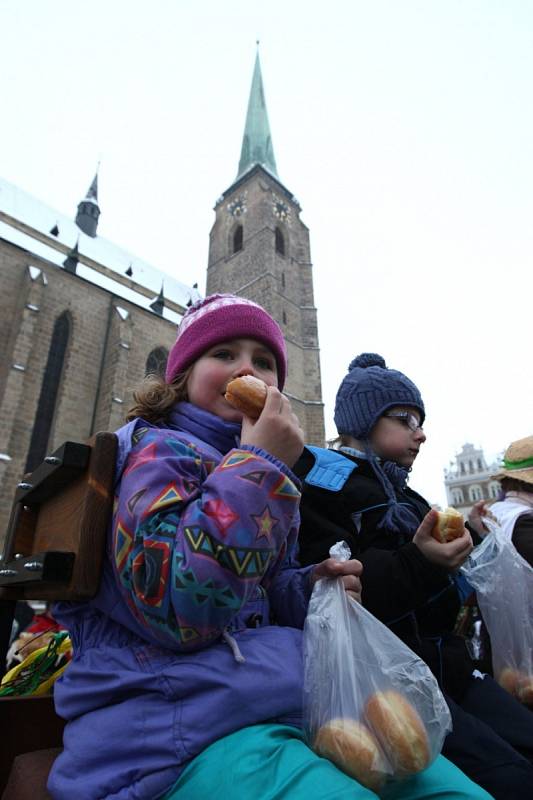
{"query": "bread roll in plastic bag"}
pixel 371 705
pixel 503 582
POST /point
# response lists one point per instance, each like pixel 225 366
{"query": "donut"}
pixel 449 525
pixel 351 746
pixel 399 730
pixel 247 394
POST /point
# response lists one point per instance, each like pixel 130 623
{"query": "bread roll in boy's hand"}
pixel 351 746
pixel 399 730
pixel 449 525
pixel 247 394
pixel 518 684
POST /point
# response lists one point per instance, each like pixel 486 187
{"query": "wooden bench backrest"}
pixel 56 537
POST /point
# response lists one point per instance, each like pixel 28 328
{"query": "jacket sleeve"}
pixel 192 539
pixel 397 583
pixel 396 580
pixel 523 537
pixel 289 593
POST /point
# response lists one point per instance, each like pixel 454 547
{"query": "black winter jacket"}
pixel 416 599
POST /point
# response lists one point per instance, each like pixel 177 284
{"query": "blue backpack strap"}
pixel 331 469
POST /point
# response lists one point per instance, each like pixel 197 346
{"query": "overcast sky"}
pixel 404 128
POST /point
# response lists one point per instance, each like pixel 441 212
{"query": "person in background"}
pixel 514 510
pixel 359 493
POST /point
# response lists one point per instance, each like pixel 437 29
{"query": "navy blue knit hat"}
pixel 368 390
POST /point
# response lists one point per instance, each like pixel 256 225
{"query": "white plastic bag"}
pixel 503 581
pixel 352 665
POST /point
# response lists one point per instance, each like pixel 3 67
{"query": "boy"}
pixel 359 493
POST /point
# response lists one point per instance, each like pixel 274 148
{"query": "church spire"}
pixel 92 193
pixel 257 141
pixel 89 210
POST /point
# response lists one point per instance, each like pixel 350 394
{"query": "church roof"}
pixel 33 226
pixel 257 141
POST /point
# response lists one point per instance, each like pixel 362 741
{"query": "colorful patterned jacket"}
pixel 178 648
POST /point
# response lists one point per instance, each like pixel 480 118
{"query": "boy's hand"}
pixel 449 555
pixel 277 430
pixel 349 571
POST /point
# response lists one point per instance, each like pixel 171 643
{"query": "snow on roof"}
pixel 34 215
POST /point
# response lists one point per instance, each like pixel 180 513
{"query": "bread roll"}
pixel 247 394
pixel 524 690
pixel 518 684
pixel 351 746
pixel 508 680
pixel 449 525
pixel 399 730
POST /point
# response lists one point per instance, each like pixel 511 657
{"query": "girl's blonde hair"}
pixel 155 398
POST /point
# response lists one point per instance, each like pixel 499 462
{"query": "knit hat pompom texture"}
pixel 369 389
pixel 219 318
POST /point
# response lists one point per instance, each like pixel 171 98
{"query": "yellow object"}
pixel 17 672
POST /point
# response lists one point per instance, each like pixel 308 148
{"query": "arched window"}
pixel 475 493
pixel 156 363
pixel 49 389
pixel 479 464
pixel 284 317
pixel 237 239
pixel 462 468
pixel 457 497
pixel 494 489
pixel 280 242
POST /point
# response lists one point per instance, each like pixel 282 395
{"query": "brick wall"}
pixel 109 343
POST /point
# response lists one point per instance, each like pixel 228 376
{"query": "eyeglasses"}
pixel 406 418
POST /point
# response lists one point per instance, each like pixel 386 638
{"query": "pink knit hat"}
pixel 221 317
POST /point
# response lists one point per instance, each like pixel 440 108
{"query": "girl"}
pixel 407 575
pixel 181 686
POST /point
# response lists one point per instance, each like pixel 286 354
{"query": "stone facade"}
pixel 259 248
pixel 468 479
pixel 109 341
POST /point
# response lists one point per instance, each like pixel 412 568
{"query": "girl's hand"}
pixel 449 555
pixel 350 572
pixel 277 430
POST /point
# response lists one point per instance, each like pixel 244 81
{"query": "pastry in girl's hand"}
pixel 449 525
pixel 247 394
pixel 351 746
pixel 399 730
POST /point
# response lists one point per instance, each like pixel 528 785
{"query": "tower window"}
pixel 457 497
pixel 494 490
pixel 284 317
pixel 237 239
pixel 282 280
pixel 280 242
pixel 475 493
pixel 156 363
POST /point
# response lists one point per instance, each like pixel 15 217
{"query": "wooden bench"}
pixel 53 551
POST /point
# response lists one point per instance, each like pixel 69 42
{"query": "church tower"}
pixel 89 210
pixel 259 248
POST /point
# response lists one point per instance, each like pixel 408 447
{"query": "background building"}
pixel 468 479
pixel 82 320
